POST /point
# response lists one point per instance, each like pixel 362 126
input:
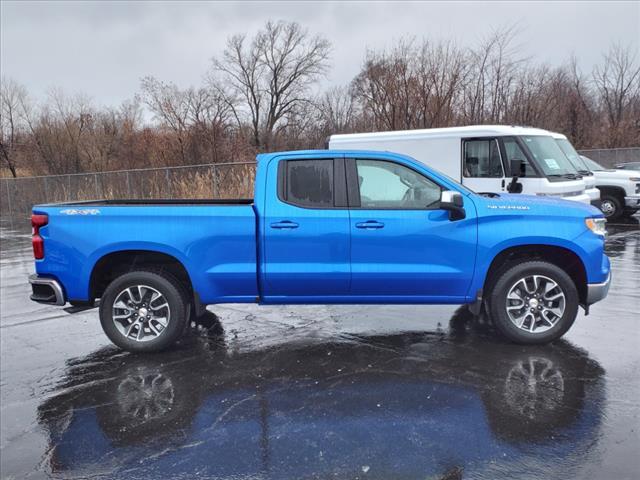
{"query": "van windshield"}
pixel 573 156
pixel 549 157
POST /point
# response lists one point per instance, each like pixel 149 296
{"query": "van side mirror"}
pixel 453 203
pixel 516 166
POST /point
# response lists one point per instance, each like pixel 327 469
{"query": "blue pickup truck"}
pixel 324 227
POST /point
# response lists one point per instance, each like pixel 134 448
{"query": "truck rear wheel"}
pixel 533 302
pixel 144 311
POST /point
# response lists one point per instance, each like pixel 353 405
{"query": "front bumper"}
pixel 46 290
pixel 597 291
pixel 632 201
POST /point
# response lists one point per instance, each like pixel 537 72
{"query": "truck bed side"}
pixel 214 242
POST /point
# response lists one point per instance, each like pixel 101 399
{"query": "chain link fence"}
pixel 219 181
pixel 610 157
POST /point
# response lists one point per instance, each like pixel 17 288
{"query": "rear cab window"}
pixel 313 183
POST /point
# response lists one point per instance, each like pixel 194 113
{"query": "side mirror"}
pixel 516 166
pixel 453 203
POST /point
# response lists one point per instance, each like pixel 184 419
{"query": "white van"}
pixel 485 158
pixel 576 160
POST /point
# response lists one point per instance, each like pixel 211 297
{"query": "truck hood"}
pixel 616 174
pixel 519 204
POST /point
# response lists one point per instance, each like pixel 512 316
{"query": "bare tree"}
pixel 197 117
pixel 337 110
pixel 493 70
pixel 209 115
pixel 12 96
pixel 617 81
pixel 384 87
pixel 411 86
pixel 261 93
pixel 441 73
pixel 271 75
pixel 171 107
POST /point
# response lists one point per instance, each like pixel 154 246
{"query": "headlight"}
pixel 635 179
pixel 596 225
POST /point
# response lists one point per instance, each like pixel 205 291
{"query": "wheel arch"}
pixel 562 257
pixel 113 264
pixel 612 190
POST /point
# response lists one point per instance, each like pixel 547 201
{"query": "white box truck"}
pixel 485 158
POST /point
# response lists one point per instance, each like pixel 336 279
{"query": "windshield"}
pixel 548 156
pixel 573 156
pixel 594 166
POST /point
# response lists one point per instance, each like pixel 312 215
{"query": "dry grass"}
pixel 17 196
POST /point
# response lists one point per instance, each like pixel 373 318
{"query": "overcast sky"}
pixel 104 49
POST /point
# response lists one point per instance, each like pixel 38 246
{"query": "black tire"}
pixel 175 296
pixel 611 206
pixel 508 278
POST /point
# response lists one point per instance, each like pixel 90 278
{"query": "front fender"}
pixel 570 234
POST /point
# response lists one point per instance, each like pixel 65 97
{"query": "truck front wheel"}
pixel 533 302
pixel 611 206
pixel 144 311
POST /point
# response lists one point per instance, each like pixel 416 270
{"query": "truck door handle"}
pixel 284 224
pixel 370 224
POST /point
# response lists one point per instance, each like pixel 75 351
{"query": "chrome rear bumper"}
pixel 46 290
pixel 597 291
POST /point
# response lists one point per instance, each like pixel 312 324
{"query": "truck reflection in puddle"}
pixel 405 405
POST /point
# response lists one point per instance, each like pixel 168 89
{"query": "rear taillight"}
pixel 38 221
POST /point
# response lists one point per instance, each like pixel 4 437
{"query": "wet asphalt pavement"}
pixel 380 392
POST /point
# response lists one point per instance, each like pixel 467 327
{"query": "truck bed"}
pixel 215 241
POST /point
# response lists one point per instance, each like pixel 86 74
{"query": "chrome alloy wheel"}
pixel 535 303
pixel 141 313
pixel 608 208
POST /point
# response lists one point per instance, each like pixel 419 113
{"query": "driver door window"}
pixel 482 159
pixel 402 245
pixel 514 152
pixel 387 185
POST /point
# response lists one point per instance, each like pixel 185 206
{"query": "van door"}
pixel 528 176
pixel 482 166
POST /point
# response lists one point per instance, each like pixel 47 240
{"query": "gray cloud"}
pixel 103 49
